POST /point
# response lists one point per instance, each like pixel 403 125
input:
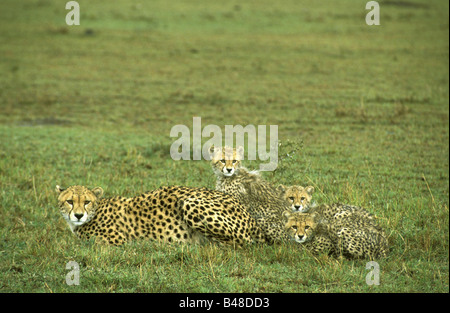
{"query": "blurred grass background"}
pixel 362 114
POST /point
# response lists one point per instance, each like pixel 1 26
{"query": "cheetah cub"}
pixel 306 229
pixel 258 196
pixel 301 200
pixel 352 236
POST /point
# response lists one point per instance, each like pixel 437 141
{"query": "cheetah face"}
pixel 77 204
pixel 300 226
pixel 299 197
pixel 226 161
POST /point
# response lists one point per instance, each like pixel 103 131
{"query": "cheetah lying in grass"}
pixel 338 229
pixel 168 214
pixel 301 200
pixel 351 234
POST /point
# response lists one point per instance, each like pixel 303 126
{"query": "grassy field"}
pixel 362 114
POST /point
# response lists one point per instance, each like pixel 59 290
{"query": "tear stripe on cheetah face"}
pixel 298 196
pixel 78 204
pixel 226 161
pixel 300 226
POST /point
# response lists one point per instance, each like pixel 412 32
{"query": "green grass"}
pixel 364 109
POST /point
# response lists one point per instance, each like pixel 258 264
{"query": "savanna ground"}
pixel 362 114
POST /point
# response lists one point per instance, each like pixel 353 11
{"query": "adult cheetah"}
pixel 168 214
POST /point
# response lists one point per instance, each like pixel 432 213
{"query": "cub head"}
pixel 77 204
pixel 299 197
pixel 300 226
pixel 226 161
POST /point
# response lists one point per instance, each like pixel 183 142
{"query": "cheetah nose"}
pixel 297 207
pixel 229 170
pixel 78 215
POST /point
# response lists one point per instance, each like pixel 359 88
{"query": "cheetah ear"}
pixel 286 215
pixel 59 189
pixel 281 189
pixel 213 150
pixel 240 152
pixel 98 192
pixel 310 190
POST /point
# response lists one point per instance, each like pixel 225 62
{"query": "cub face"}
pixel 299 226
pixel 299 197
pixel 226 161
pixel 77 204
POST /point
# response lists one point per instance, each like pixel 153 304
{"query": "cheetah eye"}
pixel 87 202
pixel 291 198
pixel 302 198
pixel 234 161
pixel 307 227
pixel 69 202
pixel 294 227
pixel 222 161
